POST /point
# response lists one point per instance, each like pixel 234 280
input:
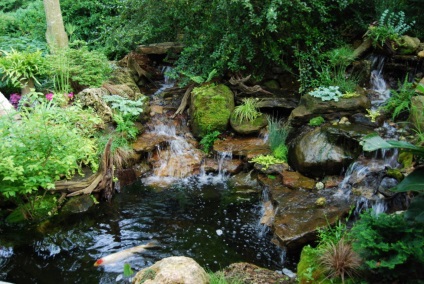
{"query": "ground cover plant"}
pixel 44 146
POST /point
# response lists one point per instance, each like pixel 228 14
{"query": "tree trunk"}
pixel 55 35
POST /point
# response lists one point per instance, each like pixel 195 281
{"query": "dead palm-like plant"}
pixel 338 260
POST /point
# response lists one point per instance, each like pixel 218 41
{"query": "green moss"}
pixel 212 106
pixel 308 270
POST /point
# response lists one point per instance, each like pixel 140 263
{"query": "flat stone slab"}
pixel 297 216
pixel 248 147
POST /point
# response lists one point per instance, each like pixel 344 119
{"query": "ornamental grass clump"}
pixel 247 111
pixel 339 260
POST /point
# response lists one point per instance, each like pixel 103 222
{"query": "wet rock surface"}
pixel 297 215
pixel 248 147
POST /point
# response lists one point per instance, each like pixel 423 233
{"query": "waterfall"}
pixel 167 82
pixel 175 160
pixel 378 84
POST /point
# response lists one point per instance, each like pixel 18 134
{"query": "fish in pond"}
pixel 114 257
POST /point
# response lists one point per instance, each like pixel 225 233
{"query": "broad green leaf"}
pixel 127 270
pixel 415 210
pixel 413 182
pixel 374 142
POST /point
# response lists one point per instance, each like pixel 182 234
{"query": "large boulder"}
pixel 173 270
pixel 298 214
pixel 312 153
pixel 408 45
pixel 311 107
pixel 210 109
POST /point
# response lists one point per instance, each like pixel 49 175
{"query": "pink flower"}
pixel 49 96
pixel 71 95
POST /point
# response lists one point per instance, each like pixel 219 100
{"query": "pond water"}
pixel 210 222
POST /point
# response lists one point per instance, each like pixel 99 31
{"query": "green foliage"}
pixel 126 106
pixel 281 152
pixel 390 27
pixel 247 111
pixel 327 93
pixel 41 148
pixel 278 132
pixel 266 160
pixel 219 278
pixel 400 100
pixel 22 43
pixel 413 182
pixel 26 20
pixel 79 67
pixel 316 121
pixel 373 114
pixel 390 246
pixel 125 126
pixel 126 112
pixel 19 67
pixel 127 270
pixel 208 140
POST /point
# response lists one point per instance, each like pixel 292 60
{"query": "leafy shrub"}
pixel 390 246
pixel 266 160
pixel 400 100
pixel 126 106
pixel 327 94
pixel 126 112
pixel 316 121
pixel 247 111
pixel 208 140
pixel 20 66
pixel 41 148
pixel 79 67
pixel 390 27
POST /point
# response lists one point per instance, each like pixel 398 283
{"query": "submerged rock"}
pixel 173 270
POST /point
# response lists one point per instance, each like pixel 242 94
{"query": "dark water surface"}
pixel 210 223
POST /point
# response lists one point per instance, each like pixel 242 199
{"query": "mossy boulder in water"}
pixel 210 109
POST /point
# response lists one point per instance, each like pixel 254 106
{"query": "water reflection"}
pixel 213 224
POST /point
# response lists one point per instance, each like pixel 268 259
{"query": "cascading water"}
pixel 364 173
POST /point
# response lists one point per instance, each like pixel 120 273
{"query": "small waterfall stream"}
pixel 363 173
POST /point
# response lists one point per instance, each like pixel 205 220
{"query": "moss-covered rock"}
pixel 248 127
pixel 308 270
pixel 408 45
pixel 210 109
